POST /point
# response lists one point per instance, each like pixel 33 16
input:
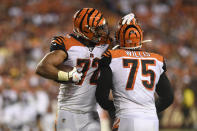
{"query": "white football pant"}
pixel 69 121
pixel 137 124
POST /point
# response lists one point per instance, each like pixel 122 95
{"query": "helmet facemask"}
pixel 101 33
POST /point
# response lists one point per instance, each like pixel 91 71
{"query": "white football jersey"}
pixel 80 97
pixel 135 76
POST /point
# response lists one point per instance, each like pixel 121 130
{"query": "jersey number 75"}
pixel 134 65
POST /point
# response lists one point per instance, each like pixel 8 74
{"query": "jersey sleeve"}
pixel 165 93
pixel 58 43
pixel 164 66
pixel 104 85
pixel 105 60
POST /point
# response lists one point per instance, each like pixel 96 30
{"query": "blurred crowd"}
pixel 28 102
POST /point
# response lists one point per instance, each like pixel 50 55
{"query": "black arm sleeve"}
pixel 103 89
pixel 105 84
pixel 165 93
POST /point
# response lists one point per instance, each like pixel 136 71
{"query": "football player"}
pixel 134 76
pixel 82 49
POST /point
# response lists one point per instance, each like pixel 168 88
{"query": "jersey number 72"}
pixel 85 64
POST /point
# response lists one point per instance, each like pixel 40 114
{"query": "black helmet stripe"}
pixel 99 20
pixel 129 26
pixel 78 14
pixel 89 15
pixel 94 19
pixel 80 27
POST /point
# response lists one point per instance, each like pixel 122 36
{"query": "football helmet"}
pixel 90 24
pixel 129 36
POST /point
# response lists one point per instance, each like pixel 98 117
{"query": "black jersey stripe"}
pixel 62 38
pixel 56 38
pixel 59 38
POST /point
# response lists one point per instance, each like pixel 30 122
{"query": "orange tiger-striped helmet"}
pixel 129 36
pixel 90 24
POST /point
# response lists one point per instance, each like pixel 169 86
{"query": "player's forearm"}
pixel 47 67
pixel 102 97
pixel 165 93
pixel 47 71
pixel 163 103
pixel 103 89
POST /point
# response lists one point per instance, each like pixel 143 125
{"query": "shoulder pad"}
pixel 164 66
pixel 107 53
pixel 105 60
pixel 58 43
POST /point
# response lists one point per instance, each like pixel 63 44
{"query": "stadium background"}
pixel 28 102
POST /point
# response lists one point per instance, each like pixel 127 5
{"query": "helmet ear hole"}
pixel 86 29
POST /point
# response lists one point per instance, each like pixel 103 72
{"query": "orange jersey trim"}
pixel 157 56
pixel 135 54
pixel 116 124
pixel 55 124
pixel 70 41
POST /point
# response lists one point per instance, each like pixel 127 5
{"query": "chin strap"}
pixel 145 41
pixel 115 47
pixel 132 48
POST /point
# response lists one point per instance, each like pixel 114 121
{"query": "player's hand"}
pixel 127 19
pixel 116 123
pixel 75 75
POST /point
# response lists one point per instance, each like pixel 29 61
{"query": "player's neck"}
pixel 84 41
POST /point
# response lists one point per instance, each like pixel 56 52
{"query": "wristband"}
pixel 63 76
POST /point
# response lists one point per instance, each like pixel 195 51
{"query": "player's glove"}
pixel 127 19
pixel 112 112
pixel 116 124
pixel 75 75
